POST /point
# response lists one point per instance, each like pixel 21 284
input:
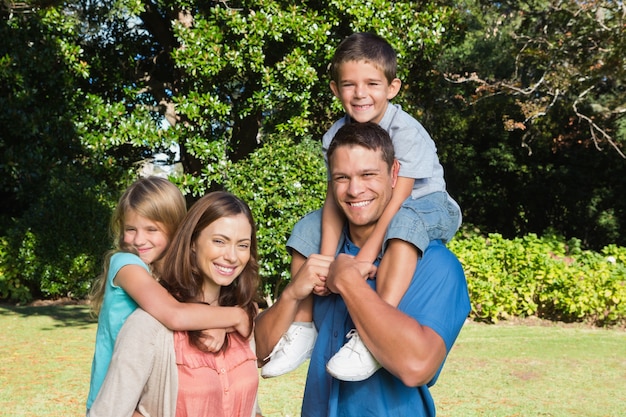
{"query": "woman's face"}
pixel 223 250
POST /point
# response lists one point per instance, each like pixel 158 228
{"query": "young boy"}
pixel 363 78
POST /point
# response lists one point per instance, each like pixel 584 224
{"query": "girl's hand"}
pixel 213 339
pixel 244 327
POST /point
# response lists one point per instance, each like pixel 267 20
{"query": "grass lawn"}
pixel 529 369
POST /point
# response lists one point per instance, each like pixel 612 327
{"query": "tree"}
pixel 519 97
pixel 225 77
pixel 532 94
pixel 233 79
pixel 564 56
pixel 51 196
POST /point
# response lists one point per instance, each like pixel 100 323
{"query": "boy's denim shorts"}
pixel 431 217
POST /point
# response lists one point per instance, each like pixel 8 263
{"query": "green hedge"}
pixel 282 181
pixel 54 250
pixel 546 277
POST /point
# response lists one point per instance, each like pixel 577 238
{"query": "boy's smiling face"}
pixel 364 91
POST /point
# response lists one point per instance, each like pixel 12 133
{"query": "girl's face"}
pixel 222 251
pixel 146 236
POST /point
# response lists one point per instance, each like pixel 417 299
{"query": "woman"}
pixel 159 373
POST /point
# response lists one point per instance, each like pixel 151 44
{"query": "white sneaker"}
pixel 353 362
pixel 293 348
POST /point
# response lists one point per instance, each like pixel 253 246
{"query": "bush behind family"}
pixel 546 276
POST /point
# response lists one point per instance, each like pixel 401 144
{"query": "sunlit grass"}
pixel 504 370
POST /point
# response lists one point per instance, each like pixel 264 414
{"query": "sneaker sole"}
pixel 350 378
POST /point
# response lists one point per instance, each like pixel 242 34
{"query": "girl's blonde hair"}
pixel 154 198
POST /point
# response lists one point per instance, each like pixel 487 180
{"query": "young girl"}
pixel 142 225
pixel 157 372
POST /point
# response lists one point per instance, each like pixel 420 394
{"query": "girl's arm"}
pixel 332 225
pixel 160 304
pixel 370 250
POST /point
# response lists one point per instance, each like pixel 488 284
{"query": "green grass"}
pixel 503 370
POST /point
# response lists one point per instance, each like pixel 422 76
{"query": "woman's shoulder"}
pixel 140 321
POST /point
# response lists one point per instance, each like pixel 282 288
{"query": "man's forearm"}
pixel 413 354
pixel 273 322
pixel 306 275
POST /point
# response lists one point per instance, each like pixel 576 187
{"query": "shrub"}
pixel 282 181
pixel 545 277
pixel 54 249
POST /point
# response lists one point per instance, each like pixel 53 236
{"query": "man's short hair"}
pixel 368 135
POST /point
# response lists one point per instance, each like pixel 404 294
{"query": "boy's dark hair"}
pixel 367 47
pixel 368 135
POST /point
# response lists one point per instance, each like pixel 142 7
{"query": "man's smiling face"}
pixel 362 184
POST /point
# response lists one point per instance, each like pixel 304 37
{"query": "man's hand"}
pixel 310 278
pixel 345 268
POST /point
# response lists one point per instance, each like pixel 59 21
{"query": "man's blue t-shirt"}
pixel 437 297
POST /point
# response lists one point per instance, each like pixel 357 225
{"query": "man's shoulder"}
pixel 438 252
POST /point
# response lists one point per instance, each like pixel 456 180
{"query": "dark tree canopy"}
pixel 524 100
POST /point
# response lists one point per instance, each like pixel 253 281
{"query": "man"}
pixel 411 341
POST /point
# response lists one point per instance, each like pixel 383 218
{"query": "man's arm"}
pixel 403 346
pixel 307 276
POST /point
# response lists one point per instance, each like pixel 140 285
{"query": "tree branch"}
pixel 597 133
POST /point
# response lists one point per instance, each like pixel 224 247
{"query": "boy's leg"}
pixel 305 310
pixel 296 345
pixel 354 362
pixel 396 271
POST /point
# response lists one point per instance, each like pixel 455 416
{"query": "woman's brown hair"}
pixel 180 273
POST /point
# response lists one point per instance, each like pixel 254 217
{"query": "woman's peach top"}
pixel 216 384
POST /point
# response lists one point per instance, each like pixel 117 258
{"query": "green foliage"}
pixel 12 286
pixel 527 111
pixel 54 249
pixel 282 181
pixel 545 277
pixel 38 72
pixel 507 89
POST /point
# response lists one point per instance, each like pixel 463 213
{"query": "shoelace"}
pixel 280 345
pixel 353 335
